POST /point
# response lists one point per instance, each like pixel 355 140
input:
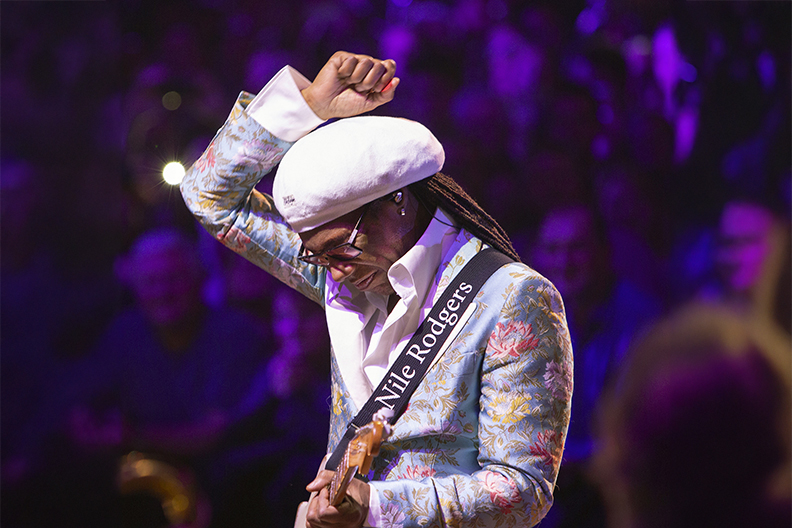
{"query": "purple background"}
pixel 650 119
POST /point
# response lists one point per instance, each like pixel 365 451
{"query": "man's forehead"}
pixel 325 236
pixel 331 233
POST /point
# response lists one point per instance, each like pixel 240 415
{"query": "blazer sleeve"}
pixel 219 189
pixel 525 388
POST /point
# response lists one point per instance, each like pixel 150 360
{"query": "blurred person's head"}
pixel 515 66
pixel 570 251
pixel 302 357
pixel 751 240
pixel 696 431
pixel 164 272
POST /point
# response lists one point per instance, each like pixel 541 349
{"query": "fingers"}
pixel 316 508
pixel 366 74
pixel 323 478
pixel 387 93
pixel 388 76
pixel 322 515
pixel 351 84
pixel 391 86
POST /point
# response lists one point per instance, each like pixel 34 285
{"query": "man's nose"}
pixel 340 270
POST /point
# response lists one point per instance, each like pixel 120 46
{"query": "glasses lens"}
pixel 345 252
pixel 312 259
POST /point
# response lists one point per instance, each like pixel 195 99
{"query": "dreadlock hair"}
pixel 442 191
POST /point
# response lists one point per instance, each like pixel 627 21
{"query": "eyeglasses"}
pixel 343 252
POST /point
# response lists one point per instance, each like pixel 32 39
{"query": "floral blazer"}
pixel 480 443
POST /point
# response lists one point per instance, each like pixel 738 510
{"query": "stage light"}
pixel 173 173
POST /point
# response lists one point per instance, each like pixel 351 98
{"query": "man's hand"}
pixel 351 513
pixel 351 84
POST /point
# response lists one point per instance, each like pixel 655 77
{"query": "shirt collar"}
pixel 411 276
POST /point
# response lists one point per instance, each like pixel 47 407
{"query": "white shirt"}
pixel 365 337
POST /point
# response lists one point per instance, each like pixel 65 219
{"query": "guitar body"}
pixel 301 519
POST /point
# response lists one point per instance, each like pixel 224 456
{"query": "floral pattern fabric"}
pixel 481 441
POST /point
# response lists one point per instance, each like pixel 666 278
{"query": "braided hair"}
pixel 442 191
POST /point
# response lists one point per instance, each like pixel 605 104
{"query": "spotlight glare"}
pixel 173 173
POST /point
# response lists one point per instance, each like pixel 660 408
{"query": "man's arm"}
pixel 219 191
pixel 219 187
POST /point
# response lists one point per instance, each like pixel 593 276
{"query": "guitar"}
pixel 359 454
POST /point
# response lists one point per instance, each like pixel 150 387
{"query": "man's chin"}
pixel 379 286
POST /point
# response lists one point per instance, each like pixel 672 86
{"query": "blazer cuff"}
pixel 374 518
pixel 281 109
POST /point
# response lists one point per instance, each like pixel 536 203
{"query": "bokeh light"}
pixel 173 173
pixel 171 100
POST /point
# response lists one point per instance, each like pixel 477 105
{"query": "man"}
pixel 362 222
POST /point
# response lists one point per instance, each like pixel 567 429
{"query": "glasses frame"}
pixel 323 258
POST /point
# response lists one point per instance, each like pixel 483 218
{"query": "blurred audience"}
pixel 50 316
pixel 631 204
pixel 605 312
pixel 289 400
pixel 752 249
pixel 697 430
pixel 603 135
pixel 164 382
pixel 298 377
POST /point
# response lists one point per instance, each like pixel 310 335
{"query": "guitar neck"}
pixel 343 476
pixel 358 455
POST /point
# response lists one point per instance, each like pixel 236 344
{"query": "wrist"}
pixel 313 104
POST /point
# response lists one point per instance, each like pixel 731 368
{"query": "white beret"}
pixel 351 162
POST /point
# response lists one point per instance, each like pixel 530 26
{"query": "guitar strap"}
pixel 409 368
